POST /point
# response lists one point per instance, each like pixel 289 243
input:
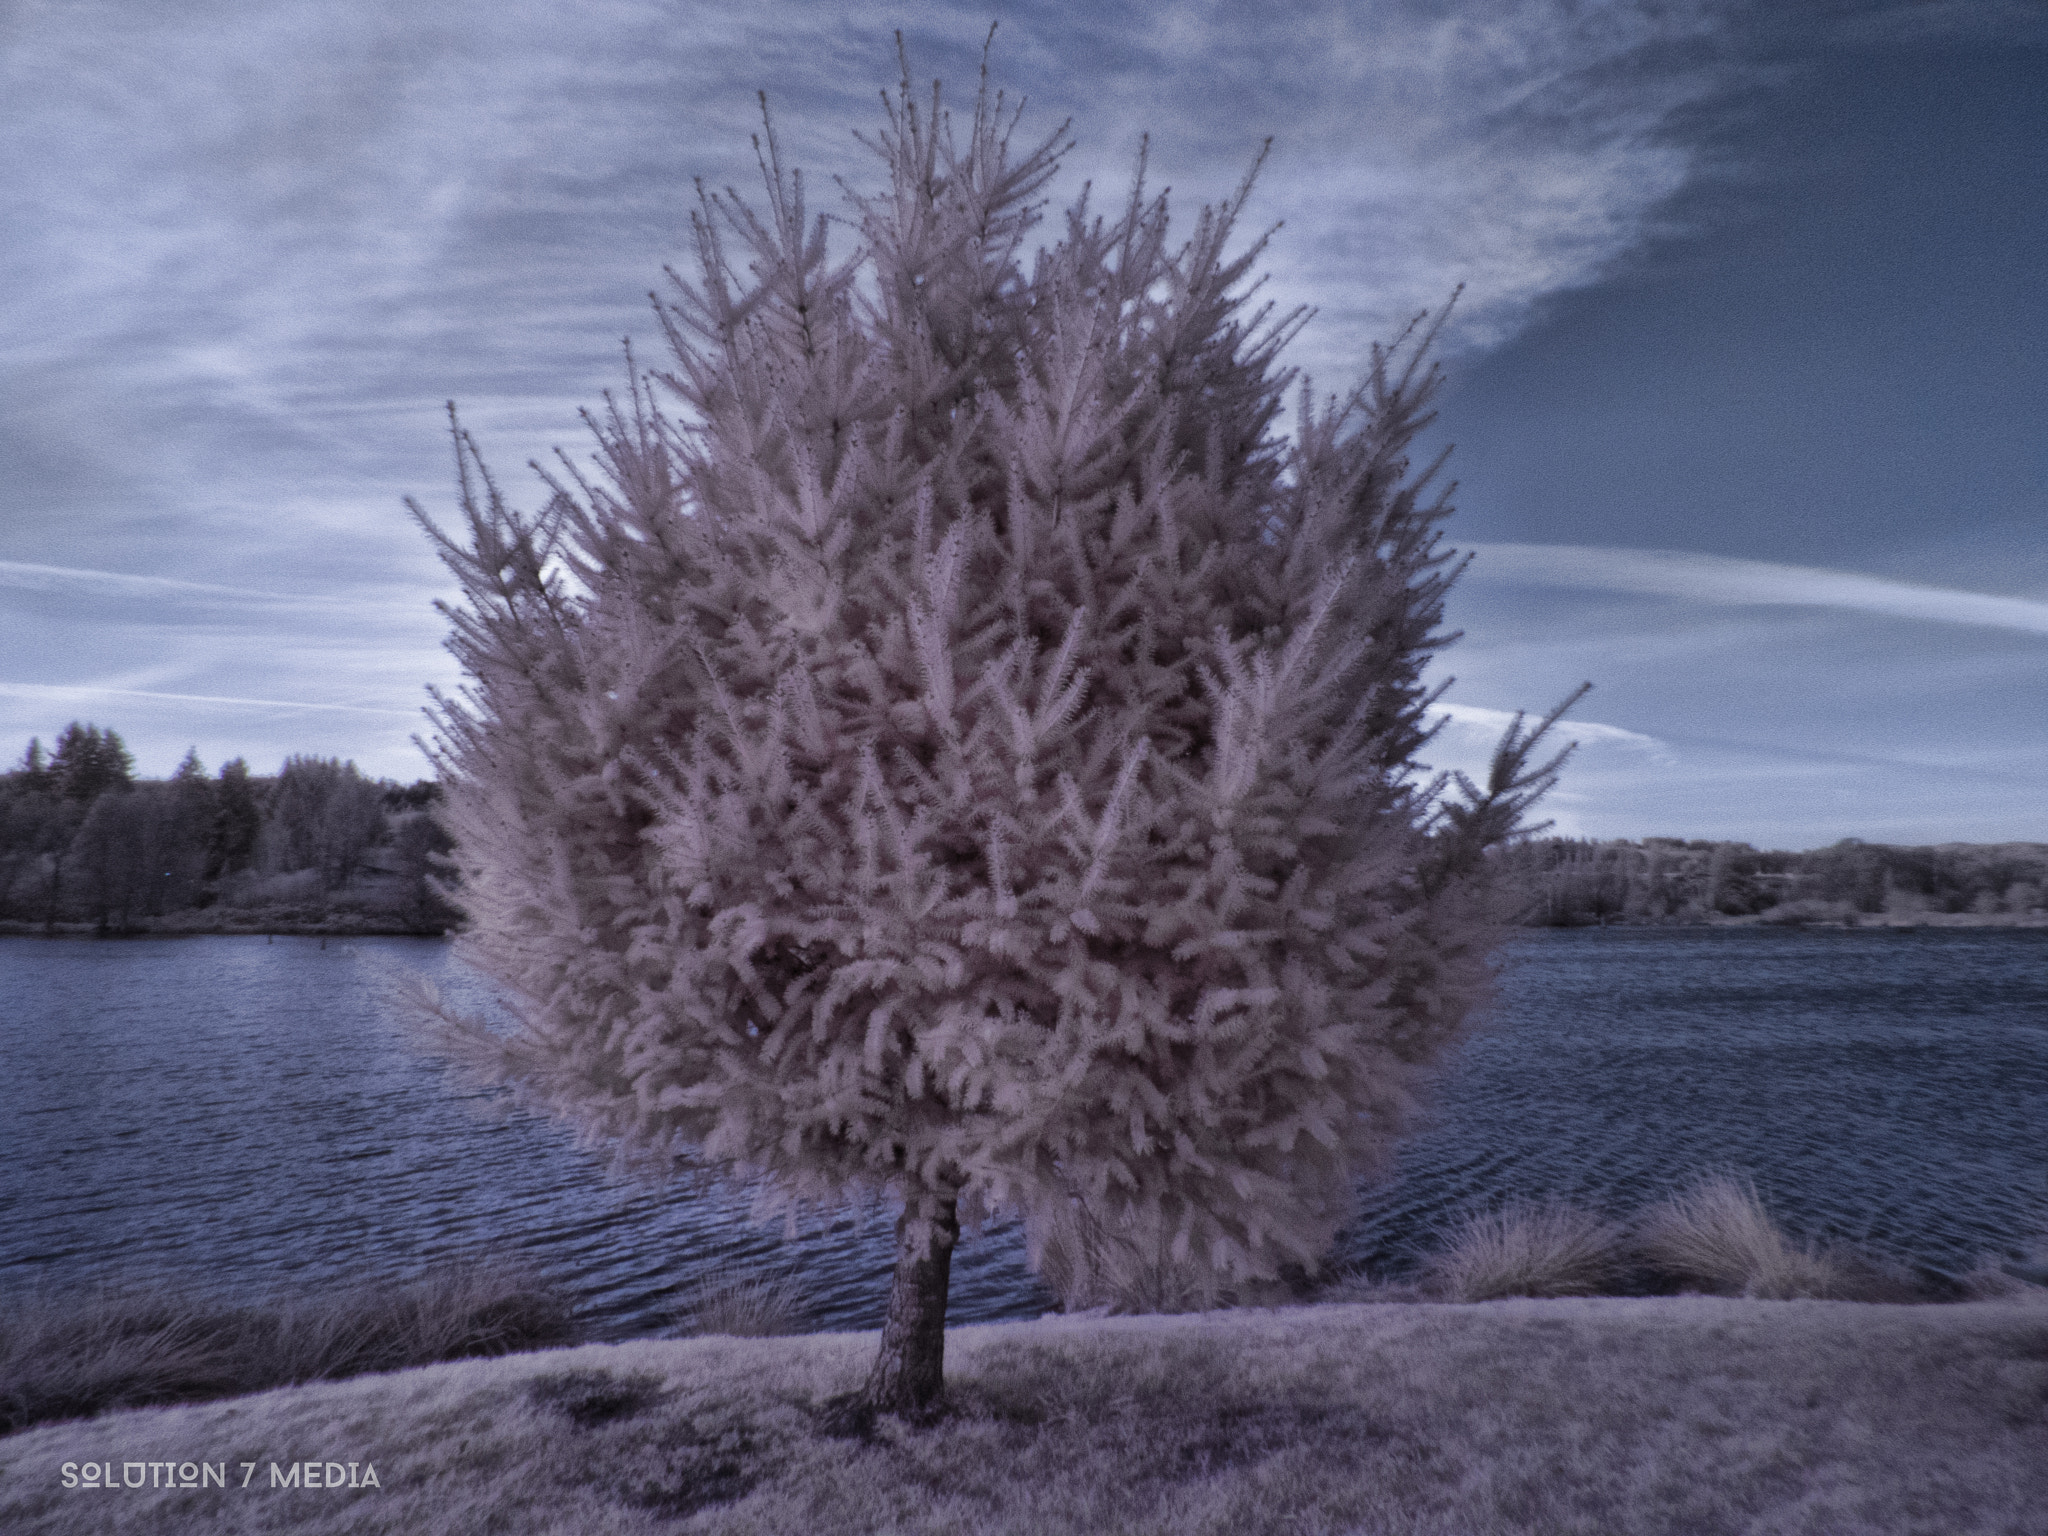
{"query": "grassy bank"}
pixel 1686 1414
pixel 72 1355
pixel 83 1352
pixel 1519 1381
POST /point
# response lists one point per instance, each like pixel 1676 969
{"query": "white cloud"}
pixel 234 228
pixel 1491 723
pixel 121 597
pixel 247 248
pixel 1719 579
pixel 30 577
pixel 69 693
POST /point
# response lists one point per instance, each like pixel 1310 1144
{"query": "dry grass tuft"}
pixel 1717 1237
pixel 1094 1267
pixel 747 1307
pixel 68 1358
pixel 1529 1250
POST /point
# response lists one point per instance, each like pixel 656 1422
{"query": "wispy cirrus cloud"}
pixel 26 576
pixel 72 695
pixel 1719 579
pixel 249 247
pixel 1493 722
pixel 270 236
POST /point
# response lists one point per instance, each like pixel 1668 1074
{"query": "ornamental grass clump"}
pixel 1717 1237
pixel 746 1307
pixel 957 749
pixel 74 1356
pixel 1529 1250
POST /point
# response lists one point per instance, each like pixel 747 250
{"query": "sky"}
pixel 1745 384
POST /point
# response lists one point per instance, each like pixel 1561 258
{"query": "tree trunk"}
pixel 911 1369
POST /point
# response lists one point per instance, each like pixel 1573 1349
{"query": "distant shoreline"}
pixel 1862 920
pixel 1662 881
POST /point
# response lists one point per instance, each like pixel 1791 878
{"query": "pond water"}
pixel 241 1115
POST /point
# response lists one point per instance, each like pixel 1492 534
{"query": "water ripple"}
pixel 241 1114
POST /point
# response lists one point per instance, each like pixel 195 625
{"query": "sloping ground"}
pixel 1689 1415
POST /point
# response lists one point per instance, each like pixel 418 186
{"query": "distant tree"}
pixel 322 814
pixel 968 755
pixel 419 848
pixel 237 820
pixel 36 828
pixel 125 857
pixel 88 762
pixel 415 796
pixel 190 811
pixel 1850 872
pixel 1567 883
pixel 34 772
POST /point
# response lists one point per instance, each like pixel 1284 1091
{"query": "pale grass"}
pixel 1676 1416
pixel 73 1355
pixel 1095 1268
pixel 1717 1236
pixel 1529 1250
pixel 747 1307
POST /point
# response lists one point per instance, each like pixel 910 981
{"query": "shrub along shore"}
pixel 1511 1384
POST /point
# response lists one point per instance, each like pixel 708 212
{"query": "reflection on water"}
pixel 241 1113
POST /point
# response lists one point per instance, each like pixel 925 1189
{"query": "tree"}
pixel 36 828
pixel 237 820
pixel 88 762
pixel 34 772
pixel 193 805
pixel 966 755
pixel 419 847
pixel 127 858
pixel 322 815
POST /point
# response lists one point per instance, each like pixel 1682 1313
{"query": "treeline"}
pixel 83 841
pixel 1568 883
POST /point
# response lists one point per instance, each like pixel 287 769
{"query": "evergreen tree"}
pixel 237 820
pixel 88 762
pixel 34 772
pixel 322 814
pixel 188 836
pixel 125 858
pixel 419 848
pixel 966 755
pixel 36 828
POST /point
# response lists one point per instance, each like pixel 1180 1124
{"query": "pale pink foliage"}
pixel 966 749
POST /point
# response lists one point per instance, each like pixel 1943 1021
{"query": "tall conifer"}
pixel 958 750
